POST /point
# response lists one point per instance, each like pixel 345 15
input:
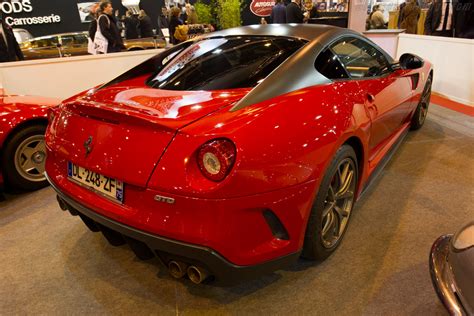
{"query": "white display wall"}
pixel 64 77
pixel 453 61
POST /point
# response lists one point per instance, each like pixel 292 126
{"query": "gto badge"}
pixel 88 145
pixel 164 199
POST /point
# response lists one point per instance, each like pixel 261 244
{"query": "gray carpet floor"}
pixel 50 263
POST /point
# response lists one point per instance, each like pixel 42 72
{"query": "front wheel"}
pixel 24 159
pixel 421 111
pixel 332 207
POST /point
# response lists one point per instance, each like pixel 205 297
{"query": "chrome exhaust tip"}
pixel 177 269
pixel 197 275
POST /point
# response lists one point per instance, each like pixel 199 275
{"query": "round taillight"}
pixel 216 158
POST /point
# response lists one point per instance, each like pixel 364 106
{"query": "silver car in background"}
pixel 452 270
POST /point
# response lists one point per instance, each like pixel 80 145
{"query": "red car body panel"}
pixel 18 110
pixel 149 139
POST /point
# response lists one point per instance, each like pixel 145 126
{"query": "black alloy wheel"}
pixel 421 111
pixel 332 208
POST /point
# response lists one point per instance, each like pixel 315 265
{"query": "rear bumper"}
pixel 167 249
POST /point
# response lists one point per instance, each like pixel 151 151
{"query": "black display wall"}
pixel 248 17
pixel 67 11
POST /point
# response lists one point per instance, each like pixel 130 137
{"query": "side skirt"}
pixel 384 161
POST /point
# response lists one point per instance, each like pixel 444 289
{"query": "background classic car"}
pixel 75 44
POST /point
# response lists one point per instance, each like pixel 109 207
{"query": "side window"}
pixel 46 42
pixel 80 39
pixel 67 40
pixel 329 66
pixel 360 59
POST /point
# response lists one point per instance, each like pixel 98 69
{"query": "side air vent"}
pixel 276 226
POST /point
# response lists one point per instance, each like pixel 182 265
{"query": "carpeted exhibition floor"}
pixel 50 263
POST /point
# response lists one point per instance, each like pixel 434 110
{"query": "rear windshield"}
pixel 224 63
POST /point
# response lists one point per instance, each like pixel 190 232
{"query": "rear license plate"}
pixel 108 187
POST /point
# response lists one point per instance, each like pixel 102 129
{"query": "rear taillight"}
pixel 216 158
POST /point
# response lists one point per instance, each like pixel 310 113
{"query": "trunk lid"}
pixel 130 128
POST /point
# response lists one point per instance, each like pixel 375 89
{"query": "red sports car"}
pixel 236 153
pixel 23 121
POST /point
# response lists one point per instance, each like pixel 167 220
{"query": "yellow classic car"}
pixel 75 44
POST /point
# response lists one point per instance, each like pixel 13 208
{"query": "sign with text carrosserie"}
pixel 12 8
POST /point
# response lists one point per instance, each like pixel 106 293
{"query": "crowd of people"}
pixel 448 18
pixel 132 26
pixel 294 12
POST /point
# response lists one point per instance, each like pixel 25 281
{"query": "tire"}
pixel 421 111
pixel 321 239
pixel 23 159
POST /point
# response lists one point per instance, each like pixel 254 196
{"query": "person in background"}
pixel 119 22
pixel 410 14
pixel 182 14
pixel 294 13
pixel 377 20
pixel 278 14
pixel 192 15
pixel 440 18
pixel 108 27
pixel 311 10
pixel 174 22
pixel 400 14
pixel 341 6
pixel 93 24
pixel 464 21
pixel 145 26
pixel 9 48
pixel 131 25
pixel 163 18
pixel 322 6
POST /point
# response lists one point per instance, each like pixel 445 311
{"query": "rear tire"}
pixel 332 207
pixel 421 111
pixel 24 157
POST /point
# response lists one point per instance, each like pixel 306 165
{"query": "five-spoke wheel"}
pixel 332 207
pixel 24 158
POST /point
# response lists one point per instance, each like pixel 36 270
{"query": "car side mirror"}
pixel 410 61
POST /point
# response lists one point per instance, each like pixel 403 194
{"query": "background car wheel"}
pixel 332 207
pixel 24 159
pixel 421 111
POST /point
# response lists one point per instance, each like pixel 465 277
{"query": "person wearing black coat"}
pixel 146 27
pixel 163 22
pixel 294 13
pixel 131 26
pixel 108 28
pixel 9 48
pixel 437 23
pixel 174 22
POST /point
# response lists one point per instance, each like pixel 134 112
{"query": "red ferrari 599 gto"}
pixel 234 154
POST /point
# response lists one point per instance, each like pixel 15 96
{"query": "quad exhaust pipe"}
pixel 197 274
pixel 179 269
